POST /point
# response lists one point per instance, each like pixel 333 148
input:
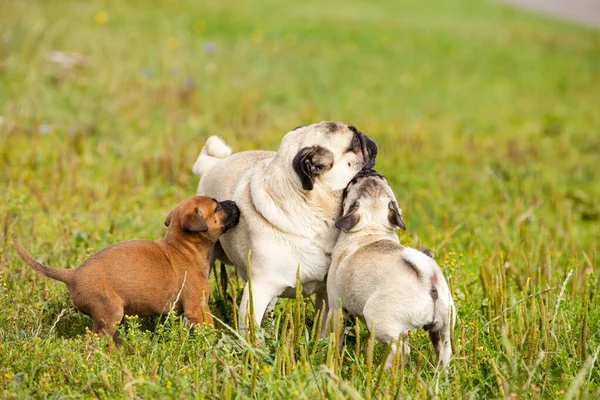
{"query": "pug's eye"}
pixel 349 164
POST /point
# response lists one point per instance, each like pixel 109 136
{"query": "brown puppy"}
pixel 146 277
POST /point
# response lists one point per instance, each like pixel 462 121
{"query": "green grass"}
pixel 489 132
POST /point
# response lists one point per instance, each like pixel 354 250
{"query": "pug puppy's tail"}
pixel 214 149
pixel 444 312
pixel 429 271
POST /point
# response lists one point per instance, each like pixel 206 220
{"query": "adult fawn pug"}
pixel 395 288
pixel 289 202
pixel 149 277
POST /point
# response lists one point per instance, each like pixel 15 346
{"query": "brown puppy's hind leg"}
pixel 106 318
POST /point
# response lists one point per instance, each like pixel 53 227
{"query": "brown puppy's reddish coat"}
pixel 146 277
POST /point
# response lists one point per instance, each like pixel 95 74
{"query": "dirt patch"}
pixel 586 12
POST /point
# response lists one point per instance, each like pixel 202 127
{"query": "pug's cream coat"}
pixel 395 288
pixel 289 201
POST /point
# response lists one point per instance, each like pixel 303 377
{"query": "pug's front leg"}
pixel 263 293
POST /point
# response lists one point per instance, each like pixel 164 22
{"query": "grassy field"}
pixel 488 124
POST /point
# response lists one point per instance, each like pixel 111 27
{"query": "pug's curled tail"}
pixel 63 275
pixel 214 149
pixel 429 271
pixel 444 313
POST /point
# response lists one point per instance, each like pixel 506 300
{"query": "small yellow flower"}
pixel 199 26
pixel 172 43
pixel 266 369
pixel 101 17
pixel 256 36
pixel 168 384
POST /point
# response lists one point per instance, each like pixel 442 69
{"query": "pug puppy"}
pixel 289 201
pixel 394 287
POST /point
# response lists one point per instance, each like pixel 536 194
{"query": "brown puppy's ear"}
pixel 310 162
pixel 349 220
pixel 394 216
pixel 168 220
pixel 194 222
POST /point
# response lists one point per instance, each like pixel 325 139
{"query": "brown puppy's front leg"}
pixel 195 308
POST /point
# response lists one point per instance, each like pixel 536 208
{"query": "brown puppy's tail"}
pixel 63 275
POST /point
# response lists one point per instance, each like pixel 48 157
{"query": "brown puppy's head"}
pixel 203 217
pixel 369 203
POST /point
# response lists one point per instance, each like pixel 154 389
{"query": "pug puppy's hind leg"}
pixel 441 343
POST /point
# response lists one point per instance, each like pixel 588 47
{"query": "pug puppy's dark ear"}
pixel 311 162
pixel 194 222
pixel 168 220
pixel 349 220
pixel 394 216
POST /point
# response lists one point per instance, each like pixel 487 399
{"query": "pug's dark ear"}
pixel 349 220
pixel 395 217
pixel 194 222
pixel 168 220
pixel 310 162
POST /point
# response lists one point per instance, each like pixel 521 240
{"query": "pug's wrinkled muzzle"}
pixel 369 148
